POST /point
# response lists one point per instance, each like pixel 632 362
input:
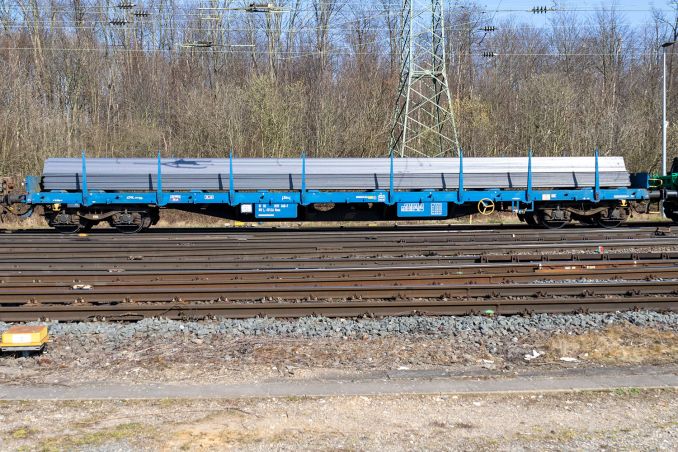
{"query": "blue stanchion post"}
pixel 303 179
pixel 391 194
pixel 528 190
pixel 596 193
pixel 231 185
pixel 460 190
pixel 158 182
pixel 85 191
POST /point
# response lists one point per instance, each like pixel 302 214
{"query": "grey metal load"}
pixel 182 174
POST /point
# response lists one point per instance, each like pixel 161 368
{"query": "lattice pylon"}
pixel 423 119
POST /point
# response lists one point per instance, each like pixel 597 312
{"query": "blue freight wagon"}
pixel 76 194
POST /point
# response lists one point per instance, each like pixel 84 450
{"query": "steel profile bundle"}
pixel 249 174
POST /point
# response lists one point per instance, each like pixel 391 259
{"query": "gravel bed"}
pixel 310 327
pixel 240 351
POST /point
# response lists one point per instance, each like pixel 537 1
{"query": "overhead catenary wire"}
pixel 243 30
pixel 307 53
pixel 186 10
pixel 136 23
pixel 336 28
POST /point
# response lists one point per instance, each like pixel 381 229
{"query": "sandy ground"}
pixel 88 358
pixel 618 419
pixel 630 419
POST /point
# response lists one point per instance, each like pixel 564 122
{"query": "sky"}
pixel 635 12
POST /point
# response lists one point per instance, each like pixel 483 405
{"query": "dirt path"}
pixel 393 382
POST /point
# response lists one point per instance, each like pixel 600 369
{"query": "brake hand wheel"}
pixel 486 206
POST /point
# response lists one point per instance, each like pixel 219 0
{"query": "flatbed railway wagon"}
pixel 76 194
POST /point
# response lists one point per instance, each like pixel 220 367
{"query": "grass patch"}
pixel 628 391
pixel 118 433
pixel 619 344
pixel 22 432
pixel 464 425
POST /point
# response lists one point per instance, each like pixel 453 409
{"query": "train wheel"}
pixel 68 228
pixel 552 218
pixel 586 221
pixel 146 222
pixel 531 219
pixel 671 213
pixel 129 228
pixel 550 223
pixel 66 222
pixel 607 223
pixel 88 225
pixel 131 222
pixel 553 224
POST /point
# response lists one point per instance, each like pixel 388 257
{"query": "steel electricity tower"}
pixel 423 120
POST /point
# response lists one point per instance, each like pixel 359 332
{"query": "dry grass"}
pixel 179 219
pixel 623 344
pixel 90 439
pixel 10 222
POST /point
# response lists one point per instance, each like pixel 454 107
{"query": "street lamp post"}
pixel 665 46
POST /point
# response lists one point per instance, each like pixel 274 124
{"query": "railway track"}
pixel 336 273
pixel 175 310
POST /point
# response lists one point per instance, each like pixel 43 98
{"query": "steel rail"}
pixel 243 262
pixel 359 276
pixel 303 236
pixel 132 312
pixel 48 240
pixel 156 241
pixel 338 290
pixel 351 228
pixel 194 255
pixel 480 270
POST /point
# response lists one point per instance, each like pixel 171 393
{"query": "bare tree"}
pixel 320 77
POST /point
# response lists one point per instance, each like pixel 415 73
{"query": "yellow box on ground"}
pixel 24 338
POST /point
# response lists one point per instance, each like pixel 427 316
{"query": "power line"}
pixel 182 9
pixel 338 27
pixel 310 53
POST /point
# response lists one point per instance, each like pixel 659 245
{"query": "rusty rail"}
pixel 400 272
pixel 132 311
